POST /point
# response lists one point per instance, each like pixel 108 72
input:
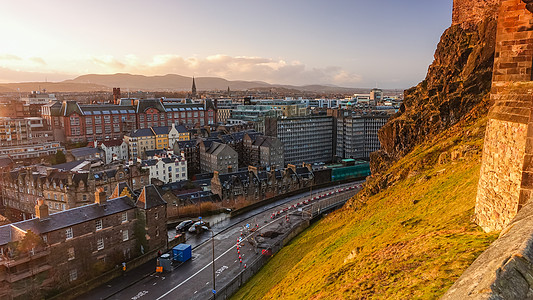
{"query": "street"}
pixel 234 250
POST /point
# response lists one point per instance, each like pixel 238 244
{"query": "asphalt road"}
pixel 194 278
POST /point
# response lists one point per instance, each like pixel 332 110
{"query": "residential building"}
pixel 177 133
pixel 264 151
pixel 63 186
pixel 166 169
pixel 72 247
pixel 161 137
pixel 113 150
pixel 255 185
pixel 139 141
pixel 305 139
pixel 215 156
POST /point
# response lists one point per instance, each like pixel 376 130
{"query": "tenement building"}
pixel 54 252
pixel 63 186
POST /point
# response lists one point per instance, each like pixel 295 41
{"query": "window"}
pixel 89 121
pixel 97 120
pixel 70 253
pixel 107 119
pixel 125 236
pixel 124 217
pixel 99 225
pixel 69 233
pixel 84 197
pixel 100 244
pixel 73 274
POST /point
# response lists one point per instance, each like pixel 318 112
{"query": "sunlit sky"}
pixel 351 43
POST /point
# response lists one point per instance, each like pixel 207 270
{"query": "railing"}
pixel 312 211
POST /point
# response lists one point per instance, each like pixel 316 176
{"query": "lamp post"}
pixel 213 263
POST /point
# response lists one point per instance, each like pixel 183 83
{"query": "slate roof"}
pixel 84 151
pixel 181 129
pixel 70 107
pixel 148 162
pixel 160 130
pixel 144 104
pixel 68 218
pixel 142 132
pixel 152 153
pixel 113 143
pixel 150 197
pixel 71 165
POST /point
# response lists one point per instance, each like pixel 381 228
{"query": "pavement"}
pixel 194 278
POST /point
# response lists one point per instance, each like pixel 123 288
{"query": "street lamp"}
pixel 213 263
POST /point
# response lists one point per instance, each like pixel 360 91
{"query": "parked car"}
pixel 184 225
pixel 198 226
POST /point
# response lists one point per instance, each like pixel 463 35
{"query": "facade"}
pixel 264 151
pixel 215 156
pixel 191 151
pixel 73 246
pixel 15 132
pixel 305 139
pixel 253 113
pixel 31 151
pixel 254 185
pixel 89 122
pixel 166 169
pixel 63 186
pixel 177 133
pixel 113 150
pixel 139 141
pixel 161 137
pixel 357 133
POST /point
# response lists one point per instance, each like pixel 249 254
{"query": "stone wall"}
pixel 506 179
pixel 469 12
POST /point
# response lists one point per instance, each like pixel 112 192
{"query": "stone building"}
pixel 263 151
pixel 63 186
pixel 113 150
pixel 215 156
pixel 54 252
pixel 166 169
pixel 140 141
pixel 255 185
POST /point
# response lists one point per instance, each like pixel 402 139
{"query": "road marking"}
pixel 139 295
pixel 206 266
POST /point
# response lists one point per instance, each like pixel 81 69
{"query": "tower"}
pixel 506 177
pixel 193 90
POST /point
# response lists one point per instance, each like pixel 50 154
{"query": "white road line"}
pixel 205 267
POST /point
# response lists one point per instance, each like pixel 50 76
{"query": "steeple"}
pixel 193 91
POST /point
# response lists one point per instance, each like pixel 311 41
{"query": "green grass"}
pixel 410 241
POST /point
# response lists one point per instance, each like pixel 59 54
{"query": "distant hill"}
pixel 169 83
pixel 26 87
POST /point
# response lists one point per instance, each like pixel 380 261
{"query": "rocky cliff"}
pixel 457 80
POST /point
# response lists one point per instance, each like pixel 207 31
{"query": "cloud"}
pixel 38 60
pixel 9 57
pixel 108 61
pixel 232 68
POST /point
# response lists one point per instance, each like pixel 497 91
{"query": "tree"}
pixel 30 241
pixel 60 157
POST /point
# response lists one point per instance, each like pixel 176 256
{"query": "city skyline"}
pixel 297 43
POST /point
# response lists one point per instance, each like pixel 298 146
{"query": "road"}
pixel 194 278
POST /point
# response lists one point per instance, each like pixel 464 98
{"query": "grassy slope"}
pixel 412 240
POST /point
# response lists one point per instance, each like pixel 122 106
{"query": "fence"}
pixel 252 268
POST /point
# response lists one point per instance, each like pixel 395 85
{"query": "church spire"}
pixel 193 91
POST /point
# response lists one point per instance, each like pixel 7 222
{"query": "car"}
pixel 194 226
pixel 184 225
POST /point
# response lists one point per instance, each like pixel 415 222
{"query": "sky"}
pixel 350 43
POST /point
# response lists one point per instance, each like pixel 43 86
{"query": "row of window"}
pixel 98 226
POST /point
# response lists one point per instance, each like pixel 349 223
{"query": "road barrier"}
pixel 309 213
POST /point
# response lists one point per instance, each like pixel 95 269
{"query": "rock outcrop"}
pixel 505 269
pixel 457 80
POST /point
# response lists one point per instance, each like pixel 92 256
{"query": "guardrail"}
pixel 309 212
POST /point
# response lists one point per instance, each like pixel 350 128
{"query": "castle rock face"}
pixel 456 82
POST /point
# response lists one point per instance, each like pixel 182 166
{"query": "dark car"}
pixel 184 225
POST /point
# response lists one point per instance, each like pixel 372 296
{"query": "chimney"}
pixel 100 196
pixel 41 210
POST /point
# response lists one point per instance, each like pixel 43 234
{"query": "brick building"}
pixel 76 122
pixel 73 246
